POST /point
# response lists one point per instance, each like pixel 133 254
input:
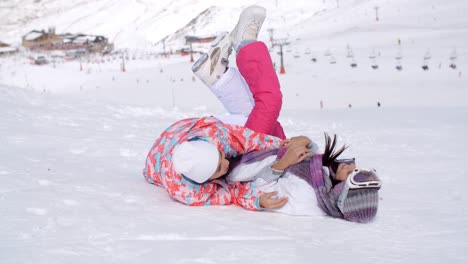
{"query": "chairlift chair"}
pixel 427 56
pixel 454 53
pixel 350 53
pixel 374 65
pixel 453 59
pixel 372 56
pixel 399 68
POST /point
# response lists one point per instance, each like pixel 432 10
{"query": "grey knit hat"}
pixel 360 205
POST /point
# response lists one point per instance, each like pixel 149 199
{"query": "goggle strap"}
pixel 342 197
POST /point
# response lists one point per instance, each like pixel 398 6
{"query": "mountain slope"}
pixel 142 23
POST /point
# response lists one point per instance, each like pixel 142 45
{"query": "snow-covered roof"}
pixel 33 35
pixel 7 49
pixel 79 40
pixel 84 38
pixel 69 36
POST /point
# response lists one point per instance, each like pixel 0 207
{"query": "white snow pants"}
pixel 234 94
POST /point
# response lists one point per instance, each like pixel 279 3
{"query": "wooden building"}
pixel 6 49
pixel 91 42
pixel 50 41
pixel 41 39
pixel 3 45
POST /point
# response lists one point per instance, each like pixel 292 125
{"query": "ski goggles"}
pixel 346 161
pixel 359 179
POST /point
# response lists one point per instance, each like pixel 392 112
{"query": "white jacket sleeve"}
pixel 256 170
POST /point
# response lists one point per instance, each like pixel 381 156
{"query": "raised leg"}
pixel 255 65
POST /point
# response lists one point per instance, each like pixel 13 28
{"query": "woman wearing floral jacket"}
pixel 257 127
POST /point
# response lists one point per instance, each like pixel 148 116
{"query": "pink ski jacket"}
pixel 232 140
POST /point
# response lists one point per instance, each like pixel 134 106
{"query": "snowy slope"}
pixel 128 23
pixel 142 23
pixel 73 143
pixel 72 190
pixel 314 29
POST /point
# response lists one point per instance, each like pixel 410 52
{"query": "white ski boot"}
pixel 250 22
pixel 211 66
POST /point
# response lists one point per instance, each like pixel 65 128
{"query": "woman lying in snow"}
pixel 296 172
pixel 256 110
pixel 192 170
pixel 340 189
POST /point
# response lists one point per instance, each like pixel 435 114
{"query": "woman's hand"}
pixel 294 154
pixel 269 203
pixel 296 141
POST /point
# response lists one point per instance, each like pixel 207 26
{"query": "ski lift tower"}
pixel 190 40
pixel 163 41
pixel 270 32
pixel 191 52
pixel 281 42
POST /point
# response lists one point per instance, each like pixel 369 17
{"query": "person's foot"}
pixel 211 66
pixel 249 24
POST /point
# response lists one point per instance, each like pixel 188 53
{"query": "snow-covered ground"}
pixel 73 144
pixel 72 190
